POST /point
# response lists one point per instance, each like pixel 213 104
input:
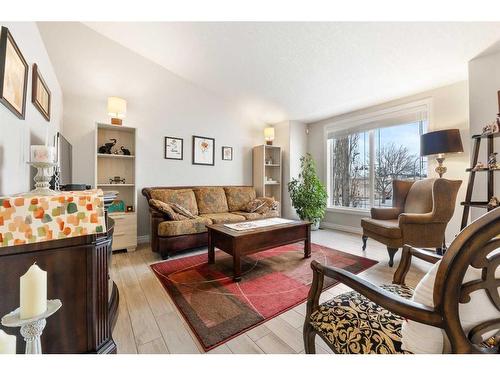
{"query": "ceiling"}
pixel 308 71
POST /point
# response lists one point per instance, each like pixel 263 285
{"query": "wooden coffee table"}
pixel 240 243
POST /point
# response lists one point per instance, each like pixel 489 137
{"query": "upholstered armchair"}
pixel 418 217
pixel 454 309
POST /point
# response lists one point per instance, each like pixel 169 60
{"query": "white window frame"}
pixel 368 122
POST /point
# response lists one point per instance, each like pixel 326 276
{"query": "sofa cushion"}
pixel 256 215
pixel 182 197
pixel 385 228
pixel 223 217
pixel 167 210
pixel 211 200
pixel 177 228
pixel 353 324
pixel 239 196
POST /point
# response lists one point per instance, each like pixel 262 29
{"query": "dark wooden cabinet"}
pixel 77 274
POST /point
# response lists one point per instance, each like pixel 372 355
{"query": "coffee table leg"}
pixel 211 248
pixel 236 267
pixel 307 243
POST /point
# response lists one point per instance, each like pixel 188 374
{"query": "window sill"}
pixel 348 210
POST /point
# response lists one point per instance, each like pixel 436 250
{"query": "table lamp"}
pixel 439 143
pixel 269 135
pixel 117 109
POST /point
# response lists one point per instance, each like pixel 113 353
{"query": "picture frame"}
pixel 203 150
pixel 174 148
pixel 40 93
pixel 13 75
pixel 227 153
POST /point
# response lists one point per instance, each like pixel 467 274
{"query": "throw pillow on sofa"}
pixel 182 210
pixel 419 338
pixel 254 205
pixel 166 210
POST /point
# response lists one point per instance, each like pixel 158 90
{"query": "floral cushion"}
pixel 182 197
pixel 211 200
pixel 182 211
pixel 166 210
pixel 352 324
pixel 239 196
pixel 256 204
pixel 223 217
pixel 177 228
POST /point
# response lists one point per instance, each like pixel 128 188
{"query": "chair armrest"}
pixel 398 305
pixel 405 262
pixel 407 218
pixel 385 213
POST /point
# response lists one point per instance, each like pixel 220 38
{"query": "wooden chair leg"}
pixel 309 339
pixel 392 251
pixel 364 238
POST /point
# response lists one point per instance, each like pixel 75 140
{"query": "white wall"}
pixel 449 110
pixel 17 135
pixel 291 136
pixel 484 82
pixel 160 103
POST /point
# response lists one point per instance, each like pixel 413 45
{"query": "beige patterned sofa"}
pixel 208 204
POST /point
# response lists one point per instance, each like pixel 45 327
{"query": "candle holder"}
pixel 32 328
pixel 45 170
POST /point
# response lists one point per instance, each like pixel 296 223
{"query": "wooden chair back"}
pixel 477 246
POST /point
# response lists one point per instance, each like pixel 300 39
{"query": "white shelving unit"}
pixel 267 165
pixel 107 166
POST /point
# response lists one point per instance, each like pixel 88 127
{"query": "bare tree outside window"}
pixel 346 167
pixel 389 153
pixel 393 162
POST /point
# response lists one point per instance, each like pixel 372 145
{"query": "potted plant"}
pixel 307 193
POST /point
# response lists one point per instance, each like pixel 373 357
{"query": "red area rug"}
pixel 274 281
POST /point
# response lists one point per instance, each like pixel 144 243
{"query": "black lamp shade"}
pixel 441 142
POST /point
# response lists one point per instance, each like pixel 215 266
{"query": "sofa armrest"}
pixel 385 213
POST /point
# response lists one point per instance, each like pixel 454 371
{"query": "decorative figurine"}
pixel 491 128
pixel 492 161
pixel 493 203
pixel 116 180
pixel 125 151
pixel 478 166
pixel 106 148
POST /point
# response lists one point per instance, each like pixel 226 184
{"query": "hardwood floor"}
pixel 148 321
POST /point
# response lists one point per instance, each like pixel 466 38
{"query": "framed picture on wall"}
pixel 40 93
pixel 13 75
pixel 203 150
pixel 174 148
pixel 227 153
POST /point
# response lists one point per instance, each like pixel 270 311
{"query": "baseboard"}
pixel 143 239
pixel 343 228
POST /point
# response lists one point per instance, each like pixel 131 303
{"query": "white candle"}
pixel 7 343
pixel 43 154
pixel 33 292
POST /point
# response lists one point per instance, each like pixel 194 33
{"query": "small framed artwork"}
pixel 203 150
pixel 174 148
pixel 40 94
pixel 227 153
pixel 13 75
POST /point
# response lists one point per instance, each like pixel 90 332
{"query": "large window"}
pixel 363 164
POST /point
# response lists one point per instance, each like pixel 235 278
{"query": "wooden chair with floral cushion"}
pixel 455 308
